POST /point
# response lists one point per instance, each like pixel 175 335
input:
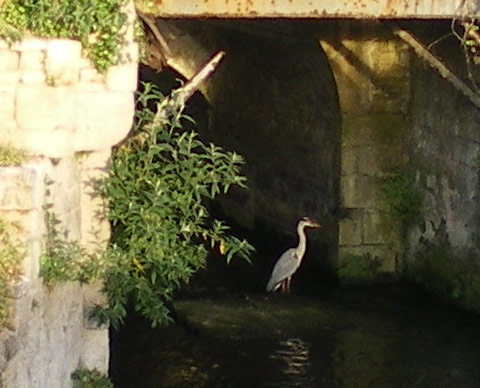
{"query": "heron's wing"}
pixel 285 266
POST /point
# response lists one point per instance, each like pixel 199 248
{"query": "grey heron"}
pixel 290 260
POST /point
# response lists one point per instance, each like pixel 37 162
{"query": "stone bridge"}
pixel 360 9
pixel 326 106
pixel 326 100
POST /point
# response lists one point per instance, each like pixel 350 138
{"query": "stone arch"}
pixel 371 69
pixel 273 99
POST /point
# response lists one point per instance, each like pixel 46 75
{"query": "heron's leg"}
pixel 284 285
pixel 288 283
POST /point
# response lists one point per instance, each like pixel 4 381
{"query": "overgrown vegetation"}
pixel 358 268
pixel 159 183
pixel 10 156
pixel 86 378
pixel 99 26
pixel 11 255
pixel 160 180
pixel 65 260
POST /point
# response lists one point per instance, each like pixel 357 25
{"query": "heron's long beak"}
pixel 314 224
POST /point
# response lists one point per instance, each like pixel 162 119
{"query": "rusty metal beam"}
pixel 358 9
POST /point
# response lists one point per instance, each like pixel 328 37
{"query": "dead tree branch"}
pixel 176 101
pixel 438 65
pixel 163 49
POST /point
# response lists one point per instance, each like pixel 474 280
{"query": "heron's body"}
pixel 291 259
pixel 288 263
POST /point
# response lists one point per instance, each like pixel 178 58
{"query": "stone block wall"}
pixel 67 116
pixel 51 97
pixel 444 143
pixel 399 113
pixel 372 76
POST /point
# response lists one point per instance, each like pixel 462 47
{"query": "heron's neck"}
pixel 302 243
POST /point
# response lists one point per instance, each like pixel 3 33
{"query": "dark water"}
pixel 382 336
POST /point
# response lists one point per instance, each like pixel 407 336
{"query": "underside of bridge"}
pixel 360 9
pixel 325 111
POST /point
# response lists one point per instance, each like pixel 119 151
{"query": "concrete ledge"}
pixel 365 9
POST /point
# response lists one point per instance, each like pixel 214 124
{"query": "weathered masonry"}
pixel 361 9
pixel 55 105
pixel 331 114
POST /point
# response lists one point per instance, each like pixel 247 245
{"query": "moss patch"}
pixel 86 378
pixel 402 202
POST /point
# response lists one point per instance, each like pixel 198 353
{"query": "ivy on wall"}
pixel 63 260
pixel 99 26
pixel 402 202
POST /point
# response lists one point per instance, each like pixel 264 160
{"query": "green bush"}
pixel 160 181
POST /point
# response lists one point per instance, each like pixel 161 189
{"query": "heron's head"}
pixel 310 223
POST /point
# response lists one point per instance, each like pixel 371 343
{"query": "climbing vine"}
pixel 65 260
pixel 402 202
pixel 99 26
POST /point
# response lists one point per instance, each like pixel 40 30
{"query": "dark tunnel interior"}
pixel 272 100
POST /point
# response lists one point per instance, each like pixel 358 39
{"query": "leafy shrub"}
pixel 160 180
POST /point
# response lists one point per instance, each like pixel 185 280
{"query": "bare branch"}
pixel 438 65
pixel 180 96
pixel 164 49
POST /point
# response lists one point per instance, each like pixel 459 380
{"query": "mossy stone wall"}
pixel 444 144
pixel 66 116
pixel 371 70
